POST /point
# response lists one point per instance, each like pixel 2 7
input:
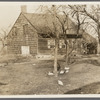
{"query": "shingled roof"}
pixel 43 23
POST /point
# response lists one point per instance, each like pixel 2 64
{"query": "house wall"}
pixel 44 50
pixel 15 41
pixel 43 47
pixel 30 38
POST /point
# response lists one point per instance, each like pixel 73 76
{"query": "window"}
pixel 25 29
pixel 62 44
pixel 26 37
pixel 14 31
pixel 51 43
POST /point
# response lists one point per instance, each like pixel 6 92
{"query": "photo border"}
pixel 50 97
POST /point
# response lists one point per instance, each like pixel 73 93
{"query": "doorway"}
pixel 25 50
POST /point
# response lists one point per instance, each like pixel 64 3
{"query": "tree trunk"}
pixel 98 47
pixel 98 41
pixel 66 56
pixel 3 45
pixel 55 57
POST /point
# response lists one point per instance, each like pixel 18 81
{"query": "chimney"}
pixel 24 9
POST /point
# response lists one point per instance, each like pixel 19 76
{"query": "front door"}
pixel 25 50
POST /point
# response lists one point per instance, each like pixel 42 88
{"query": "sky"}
pixel 9 11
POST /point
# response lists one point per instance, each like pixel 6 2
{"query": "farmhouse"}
pixel 31 35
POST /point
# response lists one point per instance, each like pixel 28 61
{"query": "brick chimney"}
pixel 24 9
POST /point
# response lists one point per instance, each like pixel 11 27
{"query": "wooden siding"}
pixel 43 47
pixel 27 36
pixel 15 42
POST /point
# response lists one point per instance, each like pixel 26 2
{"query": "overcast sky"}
pixel 9 11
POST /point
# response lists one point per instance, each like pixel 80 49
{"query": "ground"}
pixel 31 78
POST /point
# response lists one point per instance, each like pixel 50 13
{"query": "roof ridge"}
pixel 35 13
pixel 29 21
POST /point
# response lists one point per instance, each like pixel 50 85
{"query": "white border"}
pixel 51 96
pixel 50 2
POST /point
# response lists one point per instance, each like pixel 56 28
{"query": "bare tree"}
pixel 95 16
pixel 93 13
pixel 53 30
pixel 74 13
pixel 60 18
pixel 3 37
pixel 60 26
pixel 80 21
pixel 60 22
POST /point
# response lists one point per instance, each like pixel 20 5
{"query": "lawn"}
pixel 31 78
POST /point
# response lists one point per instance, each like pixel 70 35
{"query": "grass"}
pixel 31 77
pixel 93 88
